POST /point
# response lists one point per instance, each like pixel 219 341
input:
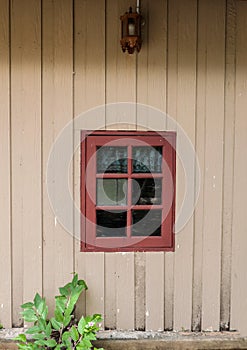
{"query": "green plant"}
pixel 1 326
pixel 62 331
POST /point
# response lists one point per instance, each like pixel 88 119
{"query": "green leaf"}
pixel 86 343
pixel 68 344
pixel 88 318
pixel 73 299
pixel 83 284
pixel 33 330
pixel 44 313
pixel 67 320
pixel 97 318
pixel 78 289
pixel 80 347
pixel 40 342
pixel 22 346
pixel 58 347
pixel 90 336
pixel 41 307
pixel 74 333
pixel 29 346
pixel 28 305
pixel 42 324
pixel 37 300
pixel 21 337
pixel 55 324
pixel 61 302
pixel 39 336
pixel 65 336
pixel 66 290
pixel 29 315
pixel 75 280
pixel 81 325
pixel 51 343
pixel 58 315
pixel 63 291
pixel 48 330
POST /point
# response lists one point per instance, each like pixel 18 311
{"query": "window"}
pixel 127 191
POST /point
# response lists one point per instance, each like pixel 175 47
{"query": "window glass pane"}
pixel 147 159
pixel 112 160
pixel 146 191
pixel 146 222
pixel 111 223
pixel 112 191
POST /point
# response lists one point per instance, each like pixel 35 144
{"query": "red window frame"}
pixel 89 143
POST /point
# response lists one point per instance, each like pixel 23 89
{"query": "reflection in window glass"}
pixel 146 222
pixel 147 159
pixel 112 191
pixel 146 191
pixel 111 223
pixel 112 160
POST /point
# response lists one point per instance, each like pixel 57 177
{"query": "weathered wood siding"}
pixel 59 58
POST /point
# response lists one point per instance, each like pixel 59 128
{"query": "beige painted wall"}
pixel 58 58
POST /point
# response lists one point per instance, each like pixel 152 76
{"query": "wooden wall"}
pixel 59 58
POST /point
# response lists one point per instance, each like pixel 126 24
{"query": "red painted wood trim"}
pixel 90 140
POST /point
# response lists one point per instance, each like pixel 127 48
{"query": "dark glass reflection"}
pixel 147 159
pixel 112 191
pixel 111 224
pixel 112 160
pixel 146 191
pixel 146 225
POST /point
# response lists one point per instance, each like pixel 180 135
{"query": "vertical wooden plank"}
pixel 154 294
pixel 89 60
pixel 152 62
pixel 89 92
pixel 57 112
pixel 141 97
pixel 239 243
pixel 120 68
pixel 214 49
pixel 140 291
pixel 151 90
pixel 125 291
pixel 120 87
pixel 200 151
pixel 5 159
pixel 26 151
pixel 184 16
pixel 95 282
pixel 172 80
pixel 169 291
pixel 110 291
pixel 181 106
pixel 228 165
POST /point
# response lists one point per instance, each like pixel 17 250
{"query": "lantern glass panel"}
pixel 131 27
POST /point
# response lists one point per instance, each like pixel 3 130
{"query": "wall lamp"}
pixel 131 23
